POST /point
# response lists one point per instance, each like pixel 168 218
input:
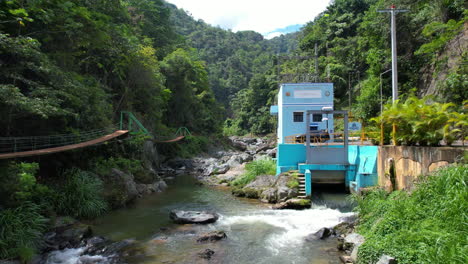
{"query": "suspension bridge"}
pixel 18 147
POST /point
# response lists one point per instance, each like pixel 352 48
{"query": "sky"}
pixel 262 16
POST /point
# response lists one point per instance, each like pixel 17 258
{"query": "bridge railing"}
pixel 18 144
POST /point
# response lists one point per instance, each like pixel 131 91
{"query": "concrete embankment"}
pixel 400 166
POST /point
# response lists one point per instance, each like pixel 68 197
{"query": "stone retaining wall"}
pixel 412 161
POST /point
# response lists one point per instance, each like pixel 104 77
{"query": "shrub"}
pixel 423 122
pixel 254 169
pixel 425 226
pixel 18 184
pixel 80 196
pixel 20 231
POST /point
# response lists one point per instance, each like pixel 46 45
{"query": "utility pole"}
pixel 393 11
pixel 316 63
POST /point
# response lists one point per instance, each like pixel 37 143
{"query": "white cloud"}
pixel 262 16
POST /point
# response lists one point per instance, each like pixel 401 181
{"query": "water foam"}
pixel 292 225
pixel 74 256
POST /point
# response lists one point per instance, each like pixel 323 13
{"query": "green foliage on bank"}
pixel 253 169
pixel 426 225
pixel 21 230
pixel 80 195
pixel 26 205
pixel 425 122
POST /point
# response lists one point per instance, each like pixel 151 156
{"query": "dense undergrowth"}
pixel 426 225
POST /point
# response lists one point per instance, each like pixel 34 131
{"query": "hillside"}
pixel 353 43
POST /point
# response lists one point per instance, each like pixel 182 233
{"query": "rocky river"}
pixel 245 230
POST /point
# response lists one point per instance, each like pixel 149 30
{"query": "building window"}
pixel 298 116
pixel 317 118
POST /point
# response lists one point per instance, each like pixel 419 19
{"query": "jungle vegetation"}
pixel 68 66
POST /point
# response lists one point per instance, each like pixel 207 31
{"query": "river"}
pixel 255 233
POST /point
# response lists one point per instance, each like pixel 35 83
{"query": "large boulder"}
pixel 193 217
pixel 262 181
pixel 120 188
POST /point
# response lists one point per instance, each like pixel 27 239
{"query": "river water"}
pixel 255 233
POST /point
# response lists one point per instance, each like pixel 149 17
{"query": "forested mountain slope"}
pixel 71 65
pixel 233 58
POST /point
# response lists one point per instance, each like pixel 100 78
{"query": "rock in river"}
pixel 193 217
pixel 211 236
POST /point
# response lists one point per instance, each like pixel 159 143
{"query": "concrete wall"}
pixel 410 162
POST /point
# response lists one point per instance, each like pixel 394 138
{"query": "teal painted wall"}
pixel 362 174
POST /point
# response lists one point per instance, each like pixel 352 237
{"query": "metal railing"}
pixel 355 138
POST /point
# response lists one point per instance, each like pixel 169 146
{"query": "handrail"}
pixel 355 138
pixel 183 131
pixel 131 119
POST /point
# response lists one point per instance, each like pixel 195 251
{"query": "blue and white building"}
pixel 303 109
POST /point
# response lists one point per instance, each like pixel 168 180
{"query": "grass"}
pixel 20 231
pixel 293 182
pixel 254 169
pixel 428 225
pixel 81 195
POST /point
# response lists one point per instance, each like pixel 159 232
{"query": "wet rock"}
pixel 294 203
pixel 343 228
pixel 346 259
pixel 269 195
pixel 206 254
pixel 351 219
pixel 66 236
pixel 321 234
pixel 385 259
pixel 211 236
pixel 283 193
pixel 95 241
pixel 193 217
